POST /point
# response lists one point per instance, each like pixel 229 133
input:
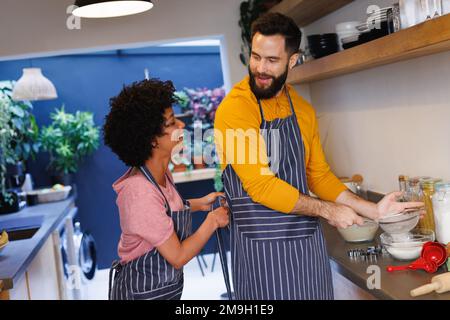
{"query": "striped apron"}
pixel 277 256
pixel 150 276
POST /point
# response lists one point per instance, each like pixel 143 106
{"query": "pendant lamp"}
pixel 33 86
pixel 110 8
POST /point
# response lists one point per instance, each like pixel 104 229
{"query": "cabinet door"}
pixel 42 274
pixel 344 289
pixel 20 290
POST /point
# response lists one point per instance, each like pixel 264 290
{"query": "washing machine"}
pixel 79 257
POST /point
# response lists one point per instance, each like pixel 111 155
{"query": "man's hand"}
pixel 341 216
pixel 336 214
pixel 389 204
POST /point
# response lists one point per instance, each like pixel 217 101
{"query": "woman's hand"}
pixel 204 203
pixel 220 217
pixel 389 204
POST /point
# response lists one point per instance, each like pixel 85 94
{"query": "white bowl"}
pixel 51 195
pixel 347 26
pixel 409 247
pixel 357 233
pixel 347 40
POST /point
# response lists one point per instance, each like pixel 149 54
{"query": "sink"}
pixel 21 234
pixel 21 228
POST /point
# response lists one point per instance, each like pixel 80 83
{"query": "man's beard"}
pixel 272 90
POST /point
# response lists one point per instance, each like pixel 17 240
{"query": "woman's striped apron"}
pixel 151 277
pixel 277 255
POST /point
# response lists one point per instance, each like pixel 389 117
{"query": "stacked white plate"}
pixel 347 32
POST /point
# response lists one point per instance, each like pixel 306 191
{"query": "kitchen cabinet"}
pixel 344 289
pixel 40 281
pixel 353 277
pixel 32 268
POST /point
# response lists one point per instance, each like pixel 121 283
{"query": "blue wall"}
pixel 86 82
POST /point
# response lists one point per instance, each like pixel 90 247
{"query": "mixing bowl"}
pixel 357 233
pixel 409 247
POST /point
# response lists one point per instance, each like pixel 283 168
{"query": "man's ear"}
pixel 293 60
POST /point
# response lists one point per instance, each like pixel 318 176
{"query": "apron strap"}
pixel 290 104
pixel 150 178
pixel 116 267
pixel 185 202
pixel 222 252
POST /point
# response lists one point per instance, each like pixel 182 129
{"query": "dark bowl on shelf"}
pixel 324 36
pixel 352 44
pixel 321 45
pixel 319 52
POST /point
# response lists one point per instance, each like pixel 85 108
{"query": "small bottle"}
pixel 413 191
pixel 402 183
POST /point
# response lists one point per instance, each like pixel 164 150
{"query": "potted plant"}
pixel 183 101
pixel 250 10
pixel 7 156
pixel 68 139
pixel 26 133
pixel 18 142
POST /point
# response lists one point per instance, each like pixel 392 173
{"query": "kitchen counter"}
pixel 394 286
pixel 17 255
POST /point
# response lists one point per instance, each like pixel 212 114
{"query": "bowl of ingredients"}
pixel 56 193
pixel 399 223
pixel 360 233
pixel 407 247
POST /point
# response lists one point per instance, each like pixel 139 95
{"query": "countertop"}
pixel 394 286
pixel 17 255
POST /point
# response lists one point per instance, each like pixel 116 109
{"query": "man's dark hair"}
pixel 271 24
pixel 136 119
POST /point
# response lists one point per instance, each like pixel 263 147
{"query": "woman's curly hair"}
pixel 136 119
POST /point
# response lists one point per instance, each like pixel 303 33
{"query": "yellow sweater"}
pixel 239 110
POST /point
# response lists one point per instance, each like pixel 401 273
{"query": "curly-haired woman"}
pixel 156 222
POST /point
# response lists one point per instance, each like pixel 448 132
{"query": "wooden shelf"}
pixel 194 175
pixel 429 37
pixel 306 11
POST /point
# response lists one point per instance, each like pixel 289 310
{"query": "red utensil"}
pixel 419 264
pixel 432 256
pixel 434 251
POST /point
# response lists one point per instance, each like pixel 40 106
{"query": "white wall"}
pixel 36 28
pixel 388 120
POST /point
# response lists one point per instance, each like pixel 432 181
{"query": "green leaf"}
pixel 17 111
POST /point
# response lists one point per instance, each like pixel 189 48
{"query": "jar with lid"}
pixel 441 209
pixel 427 186
pixel 402 183
pixel 413 191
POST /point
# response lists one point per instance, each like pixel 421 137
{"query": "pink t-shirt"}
pixel 143 217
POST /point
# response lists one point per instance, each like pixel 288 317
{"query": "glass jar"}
pixel 413 191
pixel 402 183
pixel 441 209
pixel 427 186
